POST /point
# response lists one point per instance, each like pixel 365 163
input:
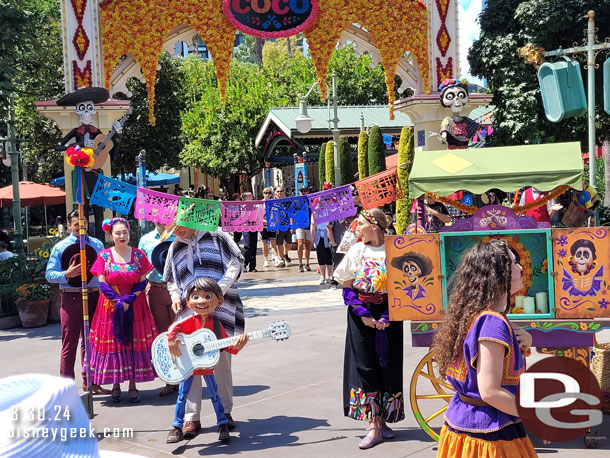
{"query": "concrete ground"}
pixel 287 394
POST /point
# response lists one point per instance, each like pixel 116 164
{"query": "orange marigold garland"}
pixel 395 27
pixel 139 28
pixel 470 210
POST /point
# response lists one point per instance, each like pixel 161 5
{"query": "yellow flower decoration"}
pixel 583 326
pixel 52 231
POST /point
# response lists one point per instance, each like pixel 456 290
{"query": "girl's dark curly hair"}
pixel 483 276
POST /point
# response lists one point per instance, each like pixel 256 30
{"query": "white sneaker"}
pixel 266 263
pixel 322 279
pixel 279 263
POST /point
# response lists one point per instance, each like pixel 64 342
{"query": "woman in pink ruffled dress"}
pixel 123 328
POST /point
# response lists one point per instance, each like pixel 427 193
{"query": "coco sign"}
pixel 270 18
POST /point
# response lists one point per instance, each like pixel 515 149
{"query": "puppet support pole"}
pixel 87 396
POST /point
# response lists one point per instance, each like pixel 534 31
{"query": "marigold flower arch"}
pixel 139 28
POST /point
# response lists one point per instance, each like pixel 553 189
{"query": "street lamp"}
pixel 18 247
pixel 303 122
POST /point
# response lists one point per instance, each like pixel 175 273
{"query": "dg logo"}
pixel 559 399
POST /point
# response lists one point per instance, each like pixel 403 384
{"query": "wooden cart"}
pixel 570 294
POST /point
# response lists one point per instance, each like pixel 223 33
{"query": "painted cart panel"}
pixel 414 277
pixel 582 264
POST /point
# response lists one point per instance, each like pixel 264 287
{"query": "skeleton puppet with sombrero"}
pixel 89 136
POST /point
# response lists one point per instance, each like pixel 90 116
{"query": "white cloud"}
pixel 469 31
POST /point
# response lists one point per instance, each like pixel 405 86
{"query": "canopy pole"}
pixel 46 224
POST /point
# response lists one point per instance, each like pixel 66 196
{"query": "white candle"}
pixel 529 305
pixel 542 302
pixel 519 301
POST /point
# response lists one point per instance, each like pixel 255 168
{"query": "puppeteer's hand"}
pixel 174 349
pixel 176 306
pixel 370 322
pixel 73 269
pixel 382 324
pixel 118 127
pixel 556 207
pixel 523 337
pixel 241 342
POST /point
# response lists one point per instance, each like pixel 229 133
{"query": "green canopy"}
pixel 507 168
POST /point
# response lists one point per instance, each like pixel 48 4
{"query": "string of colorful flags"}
pixel 245 216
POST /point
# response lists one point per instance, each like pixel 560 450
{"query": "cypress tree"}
pixel 322 165
pixel 406 154
pixel 330 162
pixel 376 151
pixel 345 157
pixel 363 155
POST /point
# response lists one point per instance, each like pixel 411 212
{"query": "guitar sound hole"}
pixel 198 349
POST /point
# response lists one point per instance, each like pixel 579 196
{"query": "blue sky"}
pixel 468 13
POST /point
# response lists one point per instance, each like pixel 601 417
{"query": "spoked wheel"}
pixel 429 396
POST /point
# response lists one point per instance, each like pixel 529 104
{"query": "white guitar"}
pixel 202 350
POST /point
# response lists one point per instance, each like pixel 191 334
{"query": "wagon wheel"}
pixel 429 396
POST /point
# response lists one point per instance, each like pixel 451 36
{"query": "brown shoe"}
pixel 191 428
pixel 168 389
pixel 175 435
pixel 96 389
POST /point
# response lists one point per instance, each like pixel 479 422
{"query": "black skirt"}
pixel 371 392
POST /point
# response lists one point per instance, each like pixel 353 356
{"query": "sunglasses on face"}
pixel 267 192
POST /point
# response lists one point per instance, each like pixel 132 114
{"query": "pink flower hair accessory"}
pixel 109 222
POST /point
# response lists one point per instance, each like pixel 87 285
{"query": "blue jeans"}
pixel 185 388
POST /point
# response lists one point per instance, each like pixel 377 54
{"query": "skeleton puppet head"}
pixel 85 111
pixel 454 94
pixel 583 255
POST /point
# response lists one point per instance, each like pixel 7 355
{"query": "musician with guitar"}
pixel 87 135
pixel 203 296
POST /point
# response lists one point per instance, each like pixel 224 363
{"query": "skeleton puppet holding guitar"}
pixel 87 135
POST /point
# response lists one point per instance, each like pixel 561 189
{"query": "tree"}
pixel 506 26
pixel 330 163
pixel 322 165
pixel 406 154
pixel 345 159
pixel 163 141
pixel 363 155
pixel 35 72
pixel 376 151
pixel 219 138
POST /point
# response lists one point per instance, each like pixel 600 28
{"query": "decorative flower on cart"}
pixel 562 240
pixel 603 304
pixel 562 253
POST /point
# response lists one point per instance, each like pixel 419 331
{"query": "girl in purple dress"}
pixel 482 357
pixel 123 328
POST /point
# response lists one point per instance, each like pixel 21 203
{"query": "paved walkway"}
pixel 287 394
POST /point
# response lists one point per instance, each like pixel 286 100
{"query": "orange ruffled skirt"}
pixel 455 444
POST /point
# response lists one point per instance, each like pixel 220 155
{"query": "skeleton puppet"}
pixel 457 130
pixel 84 101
